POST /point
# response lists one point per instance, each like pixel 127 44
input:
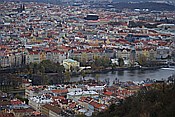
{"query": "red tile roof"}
pixel 147 85
pixel 28 110
pixel 108 93
pixel 60 91
pixel 72 105
pixel 7 115
pixel 98 105
pixel 16 102
pixel 58 98
pixel 33 52
pixel 36 113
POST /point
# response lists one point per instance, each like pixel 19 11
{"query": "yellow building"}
pixel 68 63
pixel 42 56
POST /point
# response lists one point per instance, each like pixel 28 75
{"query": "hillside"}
pixel 139 5
pixel 145 5
pixel 142 0
pixel 154 103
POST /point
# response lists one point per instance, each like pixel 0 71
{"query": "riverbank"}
pixel 126 75
pixel 109 69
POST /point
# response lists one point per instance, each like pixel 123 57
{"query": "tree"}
pixel 76 58
pixel 34 68
pixel 76 69
pixel 142 59
pixel 84 58
pixel 114 55
pixel 60 69
pixel 67 76
pixel 152 103
pixel 45 79
pixel 98 62
pixel 71 68
pixel 30 68
pixel 105 61
pixel 21 98
pixel 97 77
pixel 93 66
pixel 101 63
pixel 121 62
pixel 113 66
pixel 41 68
pixel 83 74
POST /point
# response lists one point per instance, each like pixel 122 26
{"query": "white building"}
pixel 37 101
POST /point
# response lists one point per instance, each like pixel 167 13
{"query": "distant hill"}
pixel 145 5
pixel 137 5
pixel 45 1
pixel 112 0
pixel 121 4
pixel 140 0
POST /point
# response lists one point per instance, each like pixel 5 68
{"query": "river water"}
pixel 130 75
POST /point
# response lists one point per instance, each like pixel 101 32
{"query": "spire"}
pixel 23 7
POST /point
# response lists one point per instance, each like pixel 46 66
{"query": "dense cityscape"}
pixel 54 54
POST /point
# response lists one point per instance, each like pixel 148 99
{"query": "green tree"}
pixel 142 59
pixel 101 63
pixel 67 76
pixel 76 69
pixel 97 77
pixel 30 68
pixel 35 68
pixel 83 74
pixel 47 66
pixel 106 62
pixel 84 59
pixel 60 68
pixel 76 58
pixel 41 68
pixel 120 62
pixel 45 79
pixel 22 99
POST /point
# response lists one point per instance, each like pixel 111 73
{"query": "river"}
pixel 130 75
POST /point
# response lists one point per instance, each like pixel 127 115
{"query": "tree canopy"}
pixel 153 103
pixel 101 62
pixel 46 66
